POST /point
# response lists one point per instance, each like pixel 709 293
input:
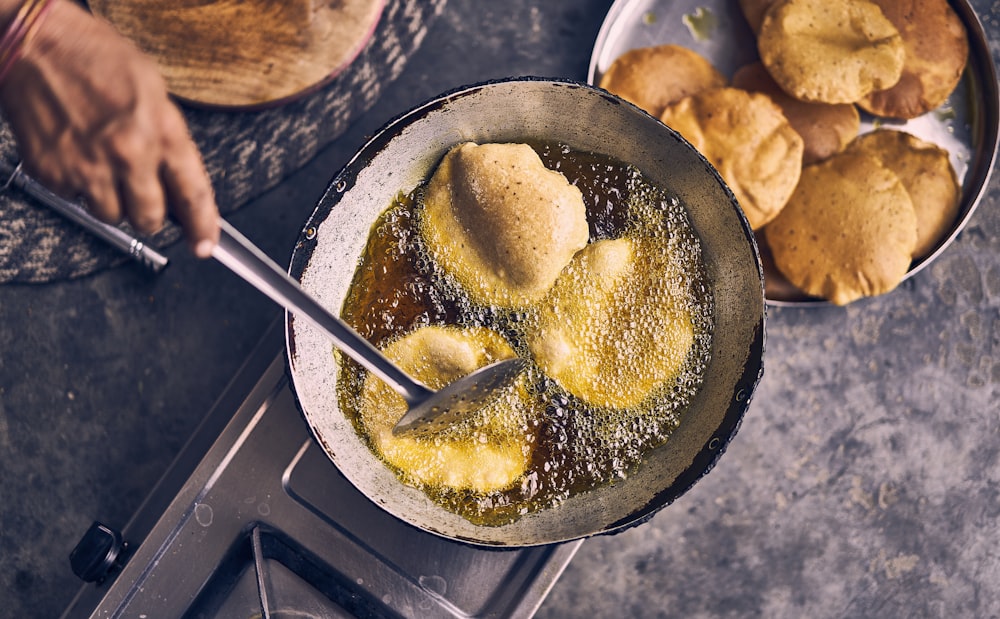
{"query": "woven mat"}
pixel 246 153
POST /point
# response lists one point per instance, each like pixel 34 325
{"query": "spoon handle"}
pixel 245 259
pixel 114 236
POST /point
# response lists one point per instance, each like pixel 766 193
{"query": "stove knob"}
pixel 98 553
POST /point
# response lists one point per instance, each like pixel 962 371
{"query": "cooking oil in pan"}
pixel 577 446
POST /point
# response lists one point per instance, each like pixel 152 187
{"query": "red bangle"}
pixel 20 31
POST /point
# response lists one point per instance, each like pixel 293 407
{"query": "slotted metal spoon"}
pixel 428 410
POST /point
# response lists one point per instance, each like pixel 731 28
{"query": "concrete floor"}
pixel 865 480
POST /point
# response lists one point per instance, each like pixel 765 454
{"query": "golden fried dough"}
pixel 653 77
pixel 826 128
pixel 848 231
pixel 748 139
pixel 937 48
pixel 613 329
pixel 489 452
pixel 754 10
pixel 502 223
pixel 830 52
pixel 926 172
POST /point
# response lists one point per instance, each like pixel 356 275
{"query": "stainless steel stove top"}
pixel 253 520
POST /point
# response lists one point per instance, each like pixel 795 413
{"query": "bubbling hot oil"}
pixel 397 289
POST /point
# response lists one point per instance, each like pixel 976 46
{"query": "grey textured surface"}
pixel 864 482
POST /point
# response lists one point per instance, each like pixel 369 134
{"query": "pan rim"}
pixel 713 448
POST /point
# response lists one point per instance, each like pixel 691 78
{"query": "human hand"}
pixel 92 118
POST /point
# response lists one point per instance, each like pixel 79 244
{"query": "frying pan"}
pixel 404 154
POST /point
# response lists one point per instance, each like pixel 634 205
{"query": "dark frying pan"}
pixel 404 154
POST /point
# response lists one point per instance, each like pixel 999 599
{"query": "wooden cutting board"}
pixel 245 53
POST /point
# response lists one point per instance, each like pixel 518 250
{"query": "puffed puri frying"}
pixel 489 451
pixel 614 328
pixel 501 223
pixel 830 51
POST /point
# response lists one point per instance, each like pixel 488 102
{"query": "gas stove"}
pixel 253 520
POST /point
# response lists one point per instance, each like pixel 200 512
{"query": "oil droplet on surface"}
pixel 435 584
pixel 203 514
pixel 701 23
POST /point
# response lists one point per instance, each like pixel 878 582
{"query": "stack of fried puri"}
pixel 844 215
pixel 936 49
pixel 654 77
pixel 858 219
pixel 830 52
pixel 860 216
pixel 749 141
pixel 894 58
pixel 825 128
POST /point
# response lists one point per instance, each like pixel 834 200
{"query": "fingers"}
pixel 134 157
pixel 137 173
pixel 189 189
pixel 159 167
pixel 101 196
pixel 92 185
pixel 143 201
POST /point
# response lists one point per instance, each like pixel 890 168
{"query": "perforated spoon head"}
pixel 458 399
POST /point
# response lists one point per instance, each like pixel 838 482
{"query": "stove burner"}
pixel 266 576
pixel 253 520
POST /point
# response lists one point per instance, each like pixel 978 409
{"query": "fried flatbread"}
pixel 848 231
pixel 613 329
pixel 489 452
pixel 830 52
pixel 926 172
pixel 937 49
pixel 748 139
pixel 654 77
pixel 501 223
pixel 826 128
